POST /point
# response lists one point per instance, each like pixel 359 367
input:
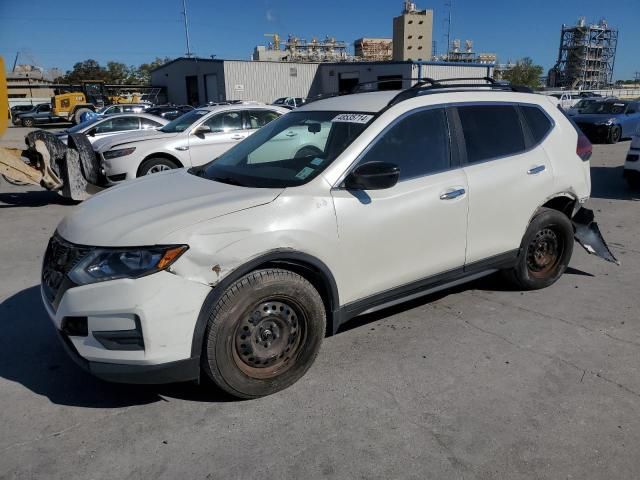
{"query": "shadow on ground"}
pixel 31 355
pixel 608 183
pixel 33 198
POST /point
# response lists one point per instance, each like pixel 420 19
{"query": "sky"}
pixel 58 34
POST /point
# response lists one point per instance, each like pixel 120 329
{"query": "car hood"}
pixel 136 136
pixel 593 118
pixel 144 211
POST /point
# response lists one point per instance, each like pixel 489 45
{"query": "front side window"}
pixel 259 118
pixel 118 125
pixel 225 122
pixel 418 144
pixel 491 131
pixel 44 108
pixel 289 151
pixel 148 123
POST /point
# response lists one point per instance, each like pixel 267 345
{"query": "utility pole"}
pixel 186 28
pixel 448 3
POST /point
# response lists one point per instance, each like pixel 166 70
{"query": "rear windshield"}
pixel 606 108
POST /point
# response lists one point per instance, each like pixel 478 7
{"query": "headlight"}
pixel 109 264
pixel 119 153
pixel 609 122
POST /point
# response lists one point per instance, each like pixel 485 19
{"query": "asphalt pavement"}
pixel 476 382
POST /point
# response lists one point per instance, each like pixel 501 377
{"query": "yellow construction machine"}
pixel 70 106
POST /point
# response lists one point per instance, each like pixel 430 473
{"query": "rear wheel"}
pixel 615 133
pixel 263 333
pixel 27 122
pixel 77 116
pixel 156 165
pixel 545 251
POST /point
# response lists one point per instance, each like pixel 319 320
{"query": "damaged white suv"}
pixel 236 270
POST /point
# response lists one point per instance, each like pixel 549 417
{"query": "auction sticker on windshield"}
pixel 353 118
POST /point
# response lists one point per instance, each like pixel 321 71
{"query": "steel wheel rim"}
pixel 269 337
pixel 544 252
pixel 158 168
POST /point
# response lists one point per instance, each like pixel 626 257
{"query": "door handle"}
pixel 238 137
pixel 536 170
pixel 290 134
pixel 451 194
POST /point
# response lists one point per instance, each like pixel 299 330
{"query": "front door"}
pixel 226 131
pixel 414 230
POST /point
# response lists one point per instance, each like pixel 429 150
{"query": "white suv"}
pixel 192 139
pixel 632 162
pixel 238 269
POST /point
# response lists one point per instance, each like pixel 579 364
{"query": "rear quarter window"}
pixel 538 123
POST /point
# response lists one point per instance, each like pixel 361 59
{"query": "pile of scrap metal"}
pixel 71 170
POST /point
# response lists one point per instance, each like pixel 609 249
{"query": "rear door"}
pixel 227 130
pixel 509 175
pixel 411 232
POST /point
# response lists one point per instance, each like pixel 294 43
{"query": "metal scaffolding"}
pixel 586 57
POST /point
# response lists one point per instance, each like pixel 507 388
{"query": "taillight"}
pixel 584 148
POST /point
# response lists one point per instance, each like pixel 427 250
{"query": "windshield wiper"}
pixel 228 180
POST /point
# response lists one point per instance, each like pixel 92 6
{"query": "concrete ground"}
pixel 478 382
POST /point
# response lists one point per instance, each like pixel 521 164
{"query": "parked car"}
pixel 40 114
pixel 101 127
pixel 609 121
pixel 632 162
pixel 290 102
pixel 582 104
pixel 123 108
pixel 18 109
pixel 170 112
pixel 190 140
pixel 236 270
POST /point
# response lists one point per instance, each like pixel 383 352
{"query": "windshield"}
pixel 584 103
pixel 83 125
pixel 180 124
pixel 289 151
pixel 606 108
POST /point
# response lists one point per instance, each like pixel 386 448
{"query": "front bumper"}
pixel 164 307
pixel 587 234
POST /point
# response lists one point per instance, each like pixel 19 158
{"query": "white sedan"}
pixel 191 140
pixel 100 127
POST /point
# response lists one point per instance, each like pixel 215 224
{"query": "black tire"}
pixel 308 151
pixel 633 180
pixel 156 165
pixel 615 134
pixel 263 333
pixel 27 122
pixel 77 116
pixel 545 251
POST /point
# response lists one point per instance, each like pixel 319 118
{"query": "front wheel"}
pixel 545 251
pixel 263 333
pixel 156 165
pixel 615 134
pixel 27 122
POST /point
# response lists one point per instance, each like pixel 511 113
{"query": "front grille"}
pixel 59 259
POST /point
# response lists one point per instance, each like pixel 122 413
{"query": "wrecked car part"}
pixel 588 235
pixel 72 170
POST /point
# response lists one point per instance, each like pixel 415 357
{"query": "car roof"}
pixel 242 106
pixel 148 116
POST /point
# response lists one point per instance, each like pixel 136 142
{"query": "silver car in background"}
pixel 100 127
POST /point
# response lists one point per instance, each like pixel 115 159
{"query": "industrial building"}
pixel 296 49
pixel 373 49
pixel 197 81
pixel 586 56
pixel 413 34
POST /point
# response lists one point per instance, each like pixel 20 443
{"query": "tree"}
pixel 86 70
pixel 524 73
pixel 119 73
pixel 113 73
pixel 143 73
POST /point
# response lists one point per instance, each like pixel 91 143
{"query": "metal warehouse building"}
pixel 197 81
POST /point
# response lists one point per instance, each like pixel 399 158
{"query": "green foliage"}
pixel 113 73
pixel 524 73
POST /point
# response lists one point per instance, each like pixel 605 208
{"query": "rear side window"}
pixel 539 124
pixel 491 131
pixel 418 144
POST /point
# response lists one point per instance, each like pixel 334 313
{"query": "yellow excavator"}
pixel 70 106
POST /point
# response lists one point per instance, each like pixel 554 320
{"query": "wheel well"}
pixel 159 155
pixel 562 204
pixel 315 276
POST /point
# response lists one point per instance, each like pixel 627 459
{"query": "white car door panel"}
pixel 507 182
pixel 414 230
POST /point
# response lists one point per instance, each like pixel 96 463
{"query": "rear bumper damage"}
pixel 588 235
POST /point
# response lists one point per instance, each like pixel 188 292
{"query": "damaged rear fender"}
pixel 588 235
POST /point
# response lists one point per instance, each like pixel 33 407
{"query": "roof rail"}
pixel 429 85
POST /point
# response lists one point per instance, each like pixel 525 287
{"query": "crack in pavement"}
pixel 544 354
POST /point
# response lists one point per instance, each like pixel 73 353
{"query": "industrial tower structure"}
pixel 586 57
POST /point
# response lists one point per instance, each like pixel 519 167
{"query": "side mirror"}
pixel 92 132
pixel 202 130
pixel 373 176
pixel 314 128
